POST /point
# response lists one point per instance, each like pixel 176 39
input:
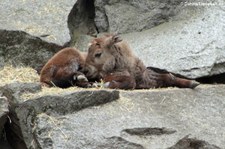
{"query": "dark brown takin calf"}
pixel 113 60
pixel 64 69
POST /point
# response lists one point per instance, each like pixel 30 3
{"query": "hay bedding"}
pixel 10 74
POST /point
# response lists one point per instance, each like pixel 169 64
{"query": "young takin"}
pixel 64 69
pixel 112 59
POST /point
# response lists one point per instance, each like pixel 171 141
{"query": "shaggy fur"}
pixel 113 60
pixel 64 69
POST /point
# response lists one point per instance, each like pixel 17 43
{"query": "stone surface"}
pixel 191 44
pixel 128 16
pixel 44 18
pixel 13 91
pixel 3 113
pixel 47 107
pixel 22 49
pixel 190 143
pixel 12 127
pixel 81 19
pixel 149 119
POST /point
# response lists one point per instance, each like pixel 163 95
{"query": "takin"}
pixel 64 69
pixel 112 59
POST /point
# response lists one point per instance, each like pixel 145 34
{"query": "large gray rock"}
pixel 22 49
pixel 13 91
pixel 149 119
pixel 44 18
pixel 81 18
pixel 32 111
pixel 128 16
pixel 12 127
pixel 192 43
pixel 90 17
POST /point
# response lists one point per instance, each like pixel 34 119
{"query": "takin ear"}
pixel 116 39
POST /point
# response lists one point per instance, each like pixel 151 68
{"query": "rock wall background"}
pixel 183 36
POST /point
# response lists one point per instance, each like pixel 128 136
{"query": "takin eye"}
pixel 97 55
pixel 97 45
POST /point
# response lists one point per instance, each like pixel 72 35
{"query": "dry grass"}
pixel 49 91
pixel 10 74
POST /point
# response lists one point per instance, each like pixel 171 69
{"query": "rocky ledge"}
pixel 170 118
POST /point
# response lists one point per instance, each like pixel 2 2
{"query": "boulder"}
pixel 12 127
pixel 191 44
pixel 48 106
pixel 13 91
pixel 81 24
pixel 158 118
pixel 22 49
pixel 128 16
pixel 91 17
pixel 46 19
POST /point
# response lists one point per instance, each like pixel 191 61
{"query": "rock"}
pixel 81 19
pixel 148 131
pixel 46 19
pixel 3 113
pixel 43 109
pixel 129 16
pixel 22 49
pixel 13 91
pixel 189 143
pixel 91 17
pixel 140 119
pixel 191 44
pixel 12 127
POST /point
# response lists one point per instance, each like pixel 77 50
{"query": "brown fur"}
pixel 61 69
pixel 119 80
pixel 109 55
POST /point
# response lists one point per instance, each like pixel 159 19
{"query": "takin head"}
pixel 100 55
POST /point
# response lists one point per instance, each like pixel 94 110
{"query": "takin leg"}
pixel 70 79
pixel 64 82
pixel 167 79
pixel 157 79
pixel 60 77
pixel 119 80
pixel 172 80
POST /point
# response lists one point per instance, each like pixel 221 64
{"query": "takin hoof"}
pixel 81 81
pixel 194 84
pixel 80 78
pixel 106 84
